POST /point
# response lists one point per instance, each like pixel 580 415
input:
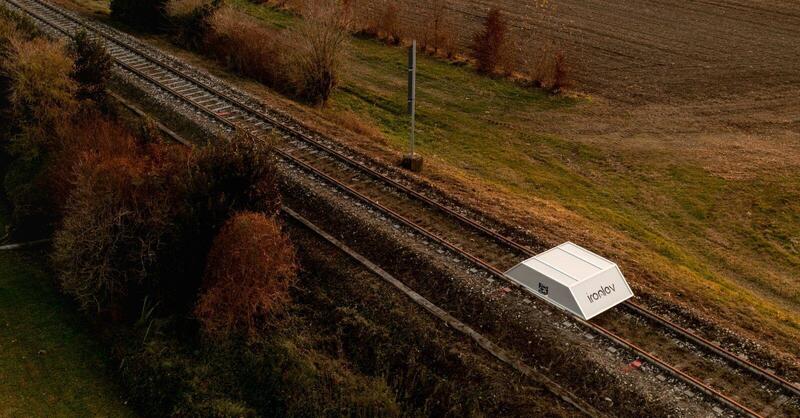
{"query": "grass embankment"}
pixel 50 364
pixel 726 245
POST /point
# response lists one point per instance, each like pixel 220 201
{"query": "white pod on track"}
pixel 573 279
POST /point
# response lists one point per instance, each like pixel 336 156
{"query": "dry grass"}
pixel 356 123
pixel 303 61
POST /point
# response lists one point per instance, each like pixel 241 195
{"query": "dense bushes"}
pixel 115 223
pixel 134 216
pixel 250 268
pixel 92 69
pixel 217 181
pixel 190 21
pixel 40 100
pixel 42 94
pixel 10 33
pixel 142 14
pixel 141 218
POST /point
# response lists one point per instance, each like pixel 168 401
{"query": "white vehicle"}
pixel 573 279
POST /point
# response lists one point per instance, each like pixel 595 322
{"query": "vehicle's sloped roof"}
pixel 568 264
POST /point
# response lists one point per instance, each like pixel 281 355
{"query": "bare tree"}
pixel 321 40
pixel 437 32
pixel 490 45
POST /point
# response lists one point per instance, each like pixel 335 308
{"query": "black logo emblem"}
pixel 543 289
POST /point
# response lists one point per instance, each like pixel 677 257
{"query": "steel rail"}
pixel 360 166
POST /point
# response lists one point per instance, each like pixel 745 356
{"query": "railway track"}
pixel 709 368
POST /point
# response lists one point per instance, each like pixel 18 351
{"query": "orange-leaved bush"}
pixel 250 268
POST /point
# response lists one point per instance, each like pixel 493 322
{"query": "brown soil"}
pixel 711 72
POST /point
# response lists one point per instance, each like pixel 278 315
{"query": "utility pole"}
pixel 412 161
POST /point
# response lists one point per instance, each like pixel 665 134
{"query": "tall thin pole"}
pixel 412 87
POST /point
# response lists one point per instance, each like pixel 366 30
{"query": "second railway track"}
pixel 730 379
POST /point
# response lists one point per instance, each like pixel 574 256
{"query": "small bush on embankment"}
pixel 490 45
pixel 250 268
pixel 190 21
pixel 92 69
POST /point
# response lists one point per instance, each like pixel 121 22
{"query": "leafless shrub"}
pixel 490 45
pixel 552 70
pixel 561 73
pixel 250 269
pixel 320 41
pixel 388 24
pixel 437 35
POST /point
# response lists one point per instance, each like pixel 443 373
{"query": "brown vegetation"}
pixel 385 24
pixel 303 62
pixel 92 69
pixel 355 122
pixel 190 21
pixel 490 46
pixel 249 48
pixel 42 94
pixel 561 73
pixel 250 269
pixel 114 225
pixel 438 35
pixel 320 41
pixel 39 100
